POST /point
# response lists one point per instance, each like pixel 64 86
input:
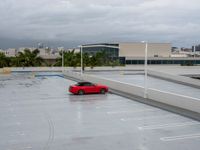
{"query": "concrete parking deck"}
pixel 38 113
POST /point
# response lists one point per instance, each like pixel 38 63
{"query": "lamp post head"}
pixel 143 41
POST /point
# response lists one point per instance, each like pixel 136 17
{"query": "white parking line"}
pixel 180 137
pixel 172 125
pixel 149 117
pixel 131 111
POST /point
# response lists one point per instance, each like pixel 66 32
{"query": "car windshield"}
pixel 84 84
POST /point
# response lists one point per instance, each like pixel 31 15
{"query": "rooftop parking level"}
pixel 38 113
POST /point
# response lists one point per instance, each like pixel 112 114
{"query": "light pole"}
pixel 145 69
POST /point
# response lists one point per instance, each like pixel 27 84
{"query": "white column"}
pixel 145 70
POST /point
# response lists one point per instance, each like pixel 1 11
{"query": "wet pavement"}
pixel 136 78
pixel 38 113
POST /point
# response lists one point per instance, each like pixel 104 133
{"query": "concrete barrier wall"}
pixel 180 101
pixel 120 86
pixel 175 78
pixel 72 68
pixel 37 69
pixel 21 69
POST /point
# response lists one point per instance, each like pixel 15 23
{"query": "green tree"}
pixel 102 58
pixel 93 61
pixel 28 58
pixel 4 61
pixel 73 59
pixel 69 59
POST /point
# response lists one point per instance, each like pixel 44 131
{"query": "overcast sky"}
pixel 72 22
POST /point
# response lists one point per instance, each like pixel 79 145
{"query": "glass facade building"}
pixel 112 50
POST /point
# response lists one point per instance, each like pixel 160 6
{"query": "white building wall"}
pixel 11 52
pixel 138 49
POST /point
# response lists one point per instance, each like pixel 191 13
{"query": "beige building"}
pixel 138 49
pixel 11 52
pixel 134 53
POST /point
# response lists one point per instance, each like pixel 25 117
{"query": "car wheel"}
pixel 80 92
pixel 102 91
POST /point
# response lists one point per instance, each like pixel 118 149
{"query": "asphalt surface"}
pixel 38 113
pixel 136 78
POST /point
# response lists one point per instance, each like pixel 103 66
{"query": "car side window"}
pixel 80 84
pixel 88 84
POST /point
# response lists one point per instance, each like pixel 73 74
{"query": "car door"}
pixel 90 88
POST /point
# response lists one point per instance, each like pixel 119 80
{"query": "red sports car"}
pixel 87 87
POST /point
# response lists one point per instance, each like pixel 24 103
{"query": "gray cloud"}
pixel 101 20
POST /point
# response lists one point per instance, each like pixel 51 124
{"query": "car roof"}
pixel 84 82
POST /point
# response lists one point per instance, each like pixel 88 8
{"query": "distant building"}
pixel 44 51
pixel 179 55
pixel 11 52
pixel 2 51
pixel 21 49
pixel 186 49
pixel 130 49
pixel 196 48
pixel 60 49
pixel 138 49
pixel 175 49
pixel 41 45
pixel 76 50
pixel 110 48
pixel 133 53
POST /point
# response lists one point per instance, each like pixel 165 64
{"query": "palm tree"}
pixel 28 58
pixel 73 59
pixel 4 61
pixel 102 58
pixel 93 61
pixel 70 59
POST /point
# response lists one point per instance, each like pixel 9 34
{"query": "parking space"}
pixel 136 78
pixel 39 113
